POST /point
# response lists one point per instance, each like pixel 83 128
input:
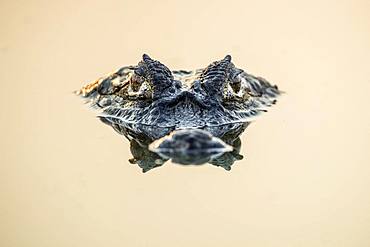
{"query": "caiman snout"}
pixel 190 146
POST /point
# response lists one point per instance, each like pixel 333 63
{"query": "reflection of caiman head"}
pixel 150 95
pixel 187 146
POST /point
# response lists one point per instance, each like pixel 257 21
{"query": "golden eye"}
pixel 235 86
pixel 135 82
pixel 236 90
pixel 139 88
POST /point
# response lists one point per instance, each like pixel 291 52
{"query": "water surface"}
pixel 304 179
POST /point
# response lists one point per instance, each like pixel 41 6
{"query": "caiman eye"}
pixel 235 80
pixel 155 75
pixel 136 81
pixel 235 86
pixel 139 87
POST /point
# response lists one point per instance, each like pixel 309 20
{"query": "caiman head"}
pixel 205 110
pixel 150 94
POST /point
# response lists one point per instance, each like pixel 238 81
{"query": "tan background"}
pixel 305 179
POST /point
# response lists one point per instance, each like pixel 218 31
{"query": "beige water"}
pixel 305 178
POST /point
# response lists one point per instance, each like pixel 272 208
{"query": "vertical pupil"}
pixel 135 82
pixel 235 86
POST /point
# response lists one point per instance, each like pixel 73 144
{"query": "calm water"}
pixel 305 176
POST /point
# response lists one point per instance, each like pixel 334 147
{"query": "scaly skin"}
pixel 149 96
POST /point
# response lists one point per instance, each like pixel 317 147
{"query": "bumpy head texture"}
pixel 150 94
